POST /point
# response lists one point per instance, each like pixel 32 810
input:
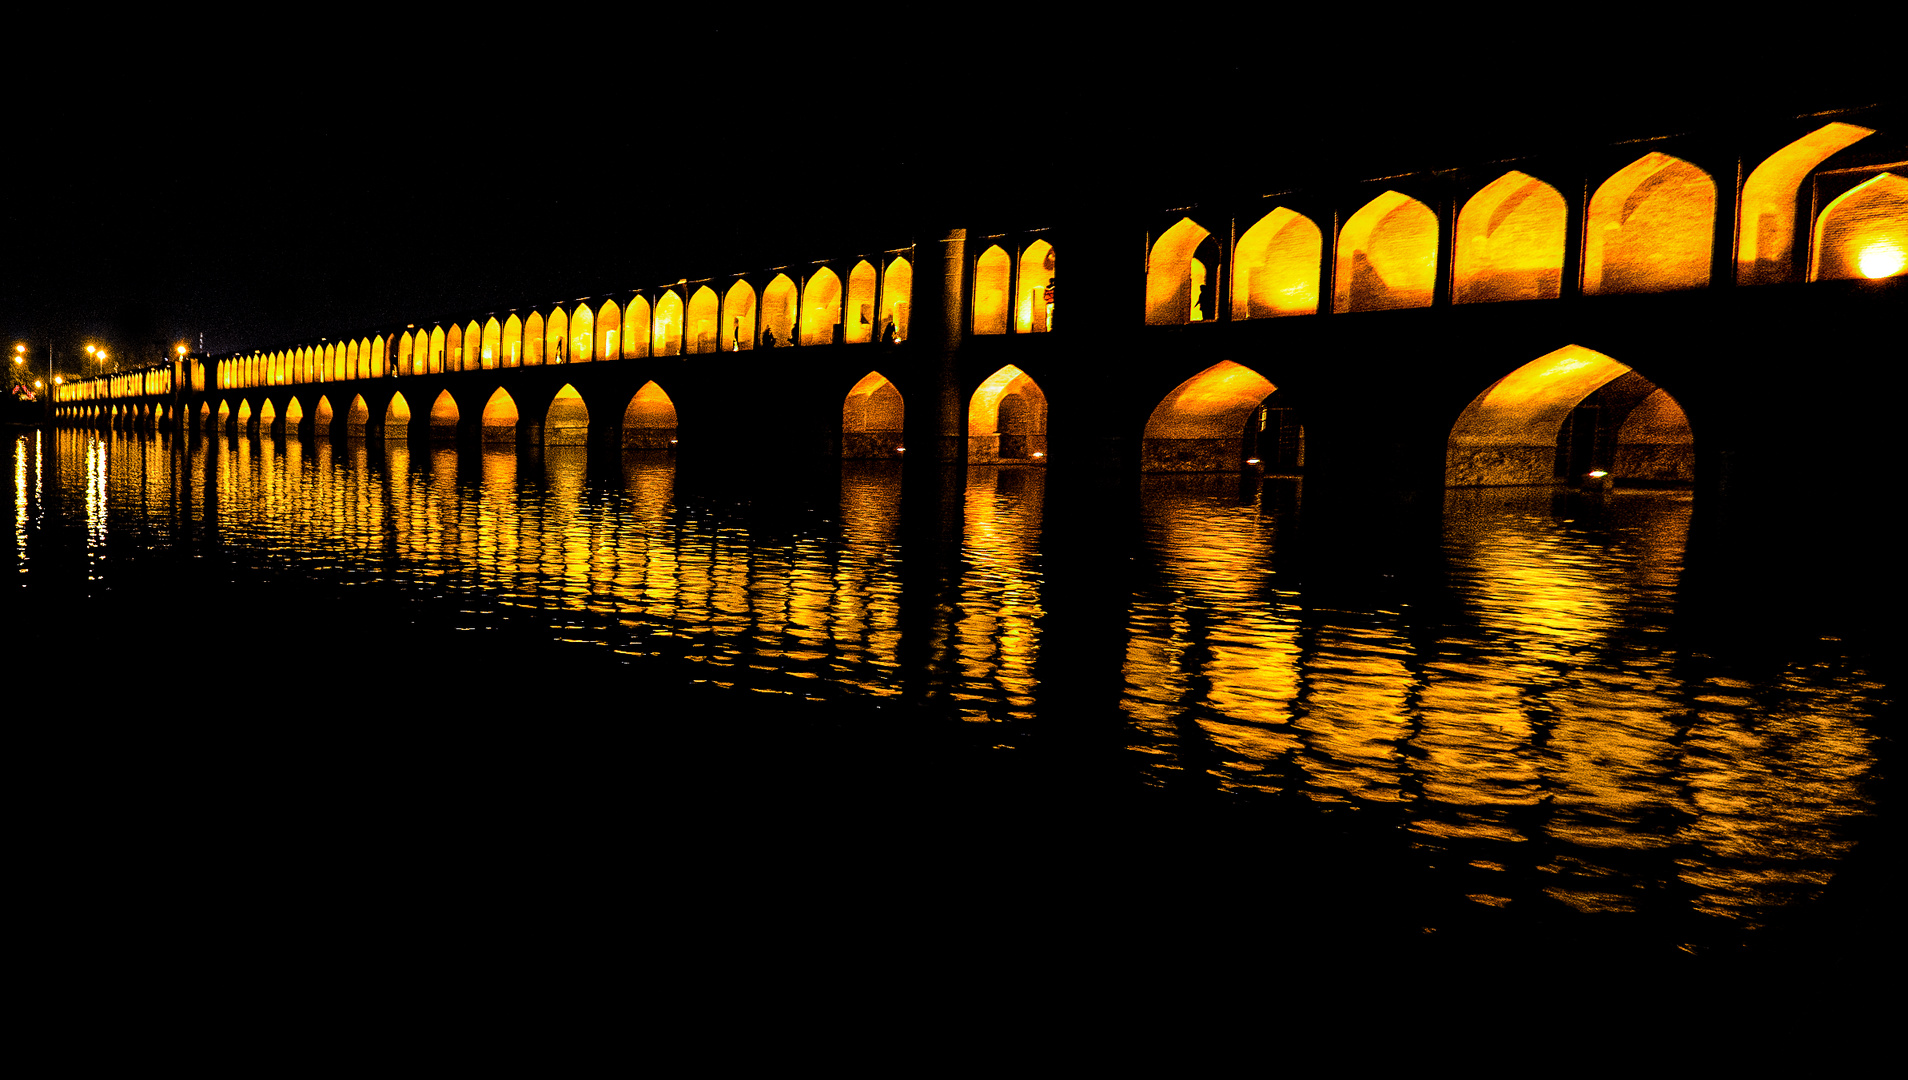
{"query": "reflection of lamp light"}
pixel 1881 259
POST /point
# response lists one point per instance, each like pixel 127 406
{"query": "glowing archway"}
pixel 1863 233
pixel 1765 244
pixel 397 418
pixel 738 317
pixel 321 418
pixel 1650 228
pixel 821 307
pixel 649 423
pixel 1275 268
pixel 1524 428
pixel 704 323
pixel 1510 242
pixel 357 417
pixel 896 292
pixel 778 312
pixel 861 303
pixel 568 421
pixel 499 418
pixel 1201 425
pixel 1007 419
pixel 990 291
pixel 1175 287
pixel 871 419
pixel 667 333
pixel 1387 256
pixel 444 417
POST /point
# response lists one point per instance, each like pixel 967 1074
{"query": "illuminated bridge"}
pixel 1718 310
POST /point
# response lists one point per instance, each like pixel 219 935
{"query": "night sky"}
pixel 308 194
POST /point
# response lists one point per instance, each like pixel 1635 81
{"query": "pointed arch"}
pixel 667 335
pixel 821 307
pixel 322 418
pixel 991 273
pixel 1387 256
pixel 861 304
pixel 357 417
pixel 1200 425
pixel 703 323
pixel 437 350
pixel 582 335
pixel 567 423
pixel 1863 233
pixel 1650 228
pixel 533 344
pixel 1276 265
pixel 609 331
pixel 406 347
pixel 1765 243
pixel 1007 419
pixel 897 292
pixel 779 310
pixel 1513 432
pixel 500 418
pixel 556 337
pixel 649 423
pixel 871 419
pixel 397 417
pixel 444 417
pixel 738 317
pixel 1033 308
pixel 1510 242
pixel 470 357
pixel 636 327
pixel 492 355
pixel 1170 287
pixel 512 341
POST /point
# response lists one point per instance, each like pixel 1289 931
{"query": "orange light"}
pixel 1881 259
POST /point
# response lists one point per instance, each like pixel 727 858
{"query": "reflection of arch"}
pixel 397 418
pixel 738 317
pixel 500 418
pixel 1765 246
pixel 444 417
pixel 1275 267
pixel 1650 228
pixel 1033 307
pixel 778 312
pixel 1863 233
pixel 871 419
pixel 861 303
pixel 1562 414
pixel 650 421
pixel 1007 419
pixel 1387 256
pixel 666 338
pixel 704 325
pixel 1510 242
pixel 568 421
pixel 821 307
pixel 896 299
pixel 1200 426
pixel 1169 276
pixel 990 291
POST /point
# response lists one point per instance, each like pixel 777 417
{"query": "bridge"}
pixel 1718 310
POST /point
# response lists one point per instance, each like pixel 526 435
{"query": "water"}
pixel 1519 721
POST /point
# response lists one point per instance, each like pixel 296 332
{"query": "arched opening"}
pixel 405 348
pixel 1650 228
pixel 380 357
pixel 397 418
pixel 582 335
pixel 991 290
pixel 1178 281
pixel 568 421
pixel 492 355
pixel 1276 267
pixel 294 416
pixel 1510 242
pixel 1863 233
pixel 499 418
pixel 556 337
pixel 871 419
pixel 704 321
pixel 439 348
pixel 650 421
pixel 821 307
pixel 244 418
pixel 1575 416
pixel 1033 308
pixel 1222 420
pixel 636 327
pixel 897 290
pixel 1387 256
pixel 321 418
pixel 357 417
pixel 1007 419
pixel 861 303
pixel 609 331
pixel 444 418
pixel 668 331
pixel 472 353
pixel 533 341
pixel 1765 247
pixel 512 341
pixel 738 317
pixel 778 313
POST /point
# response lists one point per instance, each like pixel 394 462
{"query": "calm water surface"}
pixel 1521 704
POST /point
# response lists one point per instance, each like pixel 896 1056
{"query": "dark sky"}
pixel 315 192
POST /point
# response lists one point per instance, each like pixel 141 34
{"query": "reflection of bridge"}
pixel 1704 311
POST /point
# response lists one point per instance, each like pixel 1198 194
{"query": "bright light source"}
pixel 1598 474
pixel 1881 259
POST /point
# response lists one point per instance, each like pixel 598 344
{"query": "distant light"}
pixel 1881 259
pixel 1040 453
pixel 900 449
pixel 1598 474
pixel 1252 461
